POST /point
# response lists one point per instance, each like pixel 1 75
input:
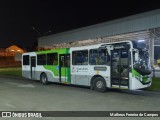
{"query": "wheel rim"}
pixel 99 84
pixel 44 79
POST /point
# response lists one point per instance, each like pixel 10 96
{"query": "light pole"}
pixel 35 44
pixel 40 35
pixel 46 32
pixel 33 28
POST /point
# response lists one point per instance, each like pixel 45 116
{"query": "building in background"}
pixel 14 49
pixel 144 26
pixel 11 56
pixel 11 50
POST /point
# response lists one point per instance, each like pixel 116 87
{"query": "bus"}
pixel 123 65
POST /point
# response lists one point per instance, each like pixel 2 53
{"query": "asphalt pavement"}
pixel 29 95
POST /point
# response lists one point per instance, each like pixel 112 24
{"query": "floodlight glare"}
pixel 141 40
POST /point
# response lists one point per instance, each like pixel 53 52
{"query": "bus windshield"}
pixel 141 58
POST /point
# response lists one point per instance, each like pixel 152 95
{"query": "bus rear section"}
pixel 47 66
pixel 29 65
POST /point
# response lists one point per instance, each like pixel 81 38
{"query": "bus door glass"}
pixel 33 67
pixel 119 68
pixel 64 64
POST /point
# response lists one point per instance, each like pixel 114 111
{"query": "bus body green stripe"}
pixel 65 72
pixel 68 68
pixel 59 51
pixel 143 79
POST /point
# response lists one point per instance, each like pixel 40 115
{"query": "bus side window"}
pixel 74 57
pixel 41 59
pixel 55 59
pixel 98 57
pixel 67 60
pixel 52 59
pixel 25 59
pixel 80 57
pixel 108 59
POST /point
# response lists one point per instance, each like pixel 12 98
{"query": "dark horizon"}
pixel 18 17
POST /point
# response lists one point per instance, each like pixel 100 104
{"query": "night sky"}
pixel 18 17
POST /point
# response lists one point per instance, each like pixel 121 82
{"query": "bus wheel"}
pixel 44 79
pixel 99 84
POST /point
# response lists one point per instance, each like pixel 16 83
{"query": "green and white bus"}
pixel 124 65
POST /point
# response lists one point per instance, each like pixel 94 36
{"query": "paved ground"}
pixel 26 95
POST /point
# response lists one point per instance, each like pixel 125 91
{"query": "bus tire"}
pixel 44 79
pixel 99 84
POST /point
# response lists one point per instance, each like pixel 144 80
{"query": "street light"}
pixel 36 31
pixel 40 35
pixel 46 32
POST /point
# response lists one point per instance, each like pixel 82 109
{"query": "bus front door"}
pixel 119 69
pixel 33 67
pixel 64 63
